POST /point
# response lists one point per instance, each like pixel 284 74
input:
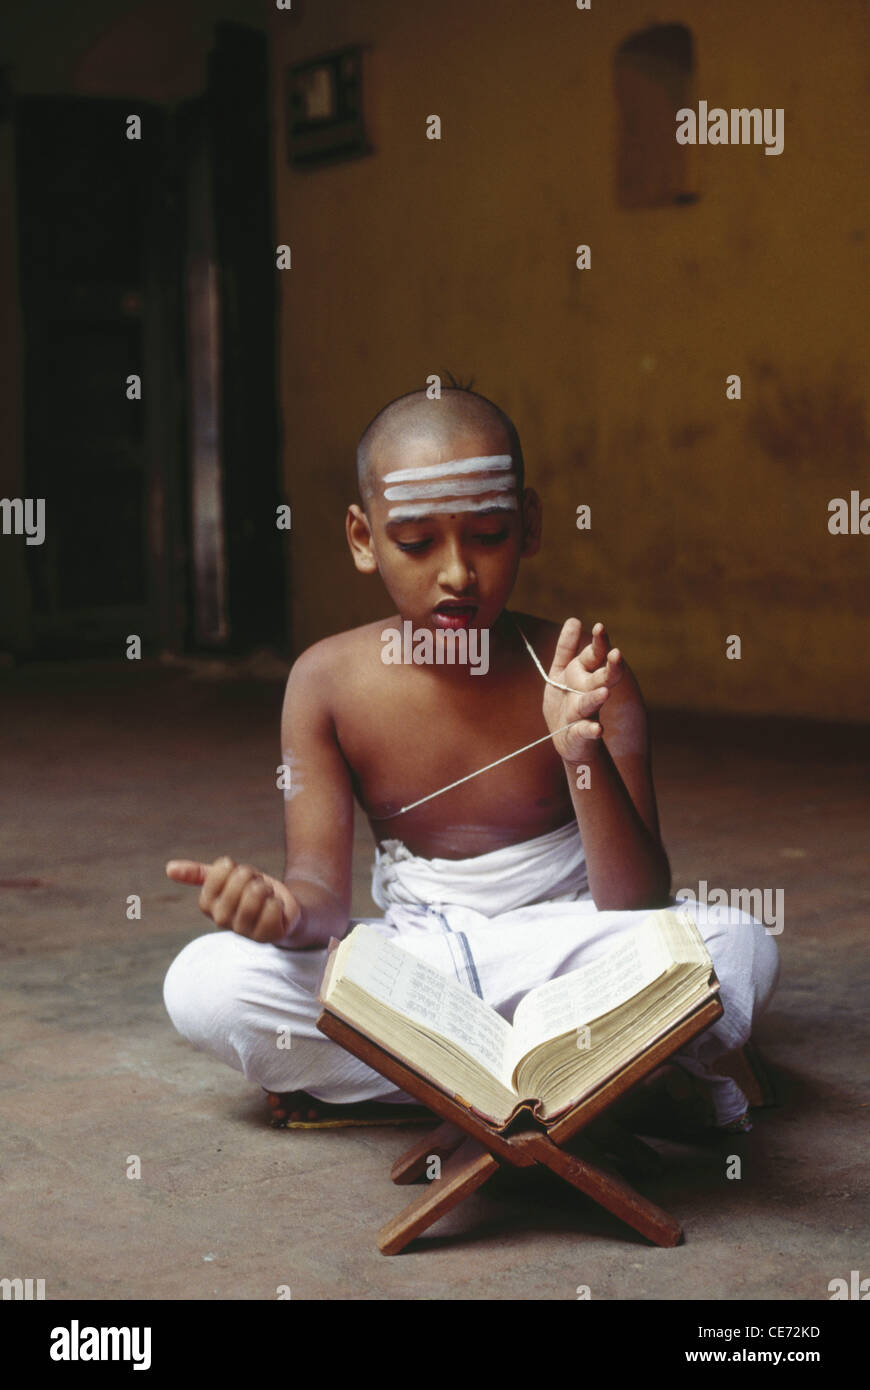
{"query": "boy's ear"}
pixel 531 523
pixel 359 538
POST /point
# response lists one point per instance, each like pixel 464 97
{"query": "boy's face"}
pixel 446 527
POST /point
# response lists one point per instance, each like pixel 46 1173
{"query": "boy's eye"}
pixel 485 538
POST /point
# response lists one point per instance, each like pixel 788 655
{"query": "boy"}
pixel 503 879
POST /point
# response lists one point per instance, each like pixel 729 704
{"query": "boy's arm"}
pixel 616 812
pixel 312 901
pixel 318 804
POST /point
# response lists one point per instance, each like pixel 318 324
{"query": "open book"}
pixel 569 1035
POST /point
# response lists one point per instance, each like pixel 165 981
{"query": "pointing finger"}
pixel 186 871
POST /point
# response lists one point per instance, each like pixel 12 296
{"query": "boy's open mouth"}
pixel 453 615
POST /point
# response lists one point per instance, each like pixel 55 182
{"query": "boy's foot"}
pixel 299 1110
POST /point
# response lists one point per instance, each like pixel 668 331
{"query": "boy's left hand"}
pixel 592 670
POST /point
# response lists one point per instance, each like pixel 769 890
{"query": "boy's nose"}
pixel 456 573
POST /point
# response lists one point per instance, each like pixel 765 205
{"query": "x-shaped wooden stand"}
pixel 472 1150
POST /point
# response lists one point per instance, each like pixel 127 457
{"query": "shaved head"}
pixel 460 414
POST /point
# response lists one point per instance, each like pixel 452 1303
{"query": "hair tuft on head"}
pixel 454 385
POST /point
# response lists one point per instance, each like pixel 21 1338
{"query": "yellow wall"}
pixel 709 516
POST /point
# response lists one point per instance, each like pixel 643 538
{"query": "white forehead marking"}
pixel 486 463
pixel 472 487
pixel 421 509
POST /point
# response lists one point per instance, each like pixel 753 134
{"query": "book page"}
pixel 412 987
pixel 572 1000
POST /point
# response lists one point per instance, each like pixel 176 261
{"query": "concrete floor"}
pixel 109 770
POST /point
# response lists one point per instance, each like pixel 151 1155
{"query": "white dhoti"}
pixel 499 923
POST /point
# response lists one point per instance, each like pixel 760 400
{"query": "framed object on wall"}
pixel 324 109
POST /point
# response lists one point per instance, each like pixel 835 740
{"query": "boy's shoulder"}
pixel 339 657
pixel 330 655
pixel 352 662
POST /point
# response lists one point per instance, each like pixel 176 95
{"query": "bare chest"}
pixel 416 737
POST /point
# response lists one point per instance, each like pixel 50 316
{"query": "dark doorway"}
pixel 123 246
pixel 97 307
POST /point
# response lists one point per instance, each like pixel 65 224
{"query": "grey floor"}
pixel 109 770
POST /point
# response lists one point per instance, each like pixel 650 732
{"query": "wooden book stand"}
pixel 474 1149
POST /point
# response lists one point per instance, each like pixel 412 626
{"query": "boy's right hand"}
pixel 239 898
